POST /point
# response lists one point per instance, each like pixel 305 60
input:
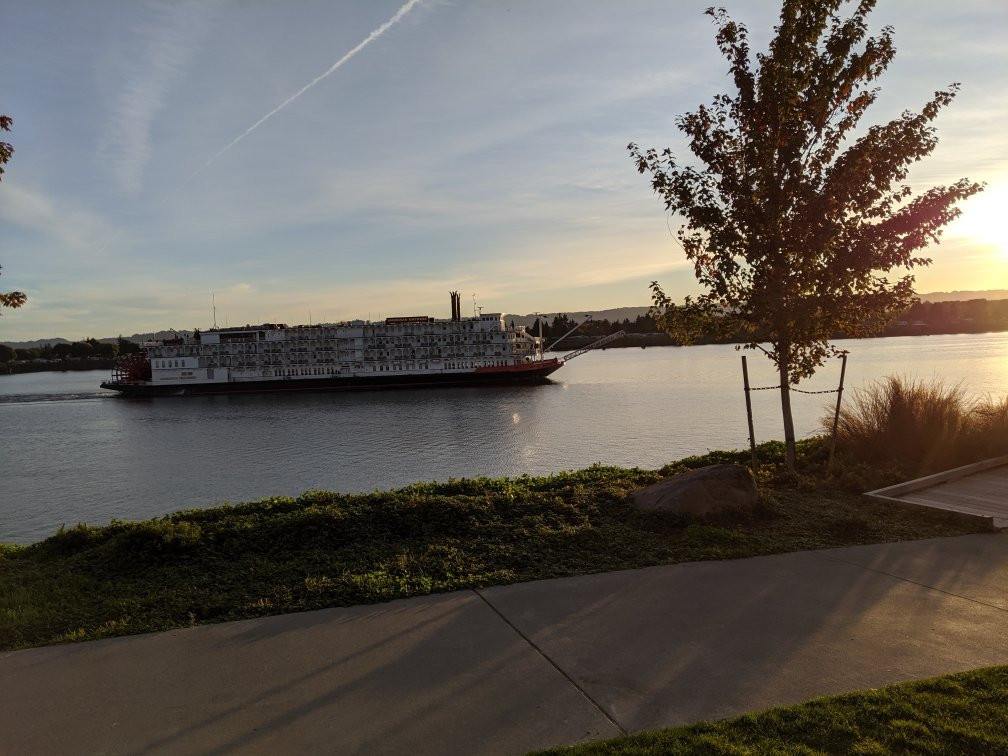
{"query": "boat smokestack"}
pixel 456 305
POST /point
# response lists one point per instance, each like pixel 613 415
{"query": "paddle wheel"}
pixel 131 368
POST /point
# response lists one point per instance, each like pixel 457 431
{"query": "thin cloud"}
pixel 167 41
pixel 399 14
pixel 68 227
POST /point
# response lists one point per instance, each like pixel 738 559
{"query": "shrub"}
pixel 988 428
pixel 920 426
pixel 79 537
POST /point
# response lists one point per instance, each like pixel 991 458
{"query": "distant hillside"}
pixel 34 344
pixel 38 343
pixel 617 314
pixel 136 338
pixel 964 296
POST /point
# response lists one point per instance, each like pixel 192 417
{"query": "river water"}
pixel 72 452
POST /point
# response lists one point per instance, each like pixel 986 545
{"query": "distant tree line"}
pixel 922 318
pixel 969 316
pixel 562 323
pixel 88 354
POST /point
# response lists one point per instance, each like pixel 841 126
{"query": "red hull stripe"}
pixel 525 367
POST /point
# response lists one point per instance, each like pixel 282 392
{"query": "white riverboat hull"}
pixel 536 372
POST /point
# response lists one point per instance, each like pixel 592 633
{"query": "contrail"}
pixel 332 69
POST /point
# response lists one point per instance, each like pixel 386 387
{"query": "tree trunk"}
pixel 785 394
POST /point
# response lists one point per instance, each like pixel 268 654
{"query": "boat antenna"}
pixel 474 304
pixel 213 302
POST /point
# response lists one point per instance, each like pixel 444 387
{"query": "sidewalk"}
pixel 518 667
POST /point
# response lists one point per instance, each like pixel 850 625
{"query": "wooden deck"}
pixel 979 489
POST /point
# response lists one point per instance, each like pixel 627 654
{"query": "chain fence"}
pixel 797 390
pixel 836 415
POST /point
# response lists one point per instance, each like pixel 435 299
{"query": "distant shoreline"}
pixel 20 367
pixel 663 339
pixel 50 366
pixel 630 340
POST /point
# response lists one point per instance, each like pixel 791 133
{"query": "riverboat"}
pixel 396 352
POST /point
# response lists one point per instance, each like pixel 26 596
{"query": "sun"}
pixel 983 219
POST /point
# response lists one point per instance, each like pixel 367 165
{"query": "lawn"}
pixel 956 714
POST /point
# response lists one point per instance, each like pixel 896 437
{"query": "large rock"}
pixel 701 491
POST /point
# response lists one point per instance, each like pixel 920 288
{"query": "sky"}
pixel 315 161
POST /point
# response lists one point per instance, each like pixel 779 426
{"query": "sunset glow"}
pixel 984 220
pixel 384 153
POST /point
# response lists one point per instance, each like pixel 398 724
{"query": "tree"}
pixel 125 346
pixel 11 298
pixel 791 219
pixel 81 350
pixel 561 324
pixel 105 351
pixel 6 150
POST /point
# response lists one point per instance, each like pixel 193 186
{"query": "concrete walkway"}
pixel 518 667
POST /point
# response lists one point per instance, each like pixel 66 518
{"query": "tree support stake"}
pixel 748 409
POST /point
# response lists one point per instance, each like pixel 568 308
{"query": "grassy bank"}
pixel 325 549
pixel 964 713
